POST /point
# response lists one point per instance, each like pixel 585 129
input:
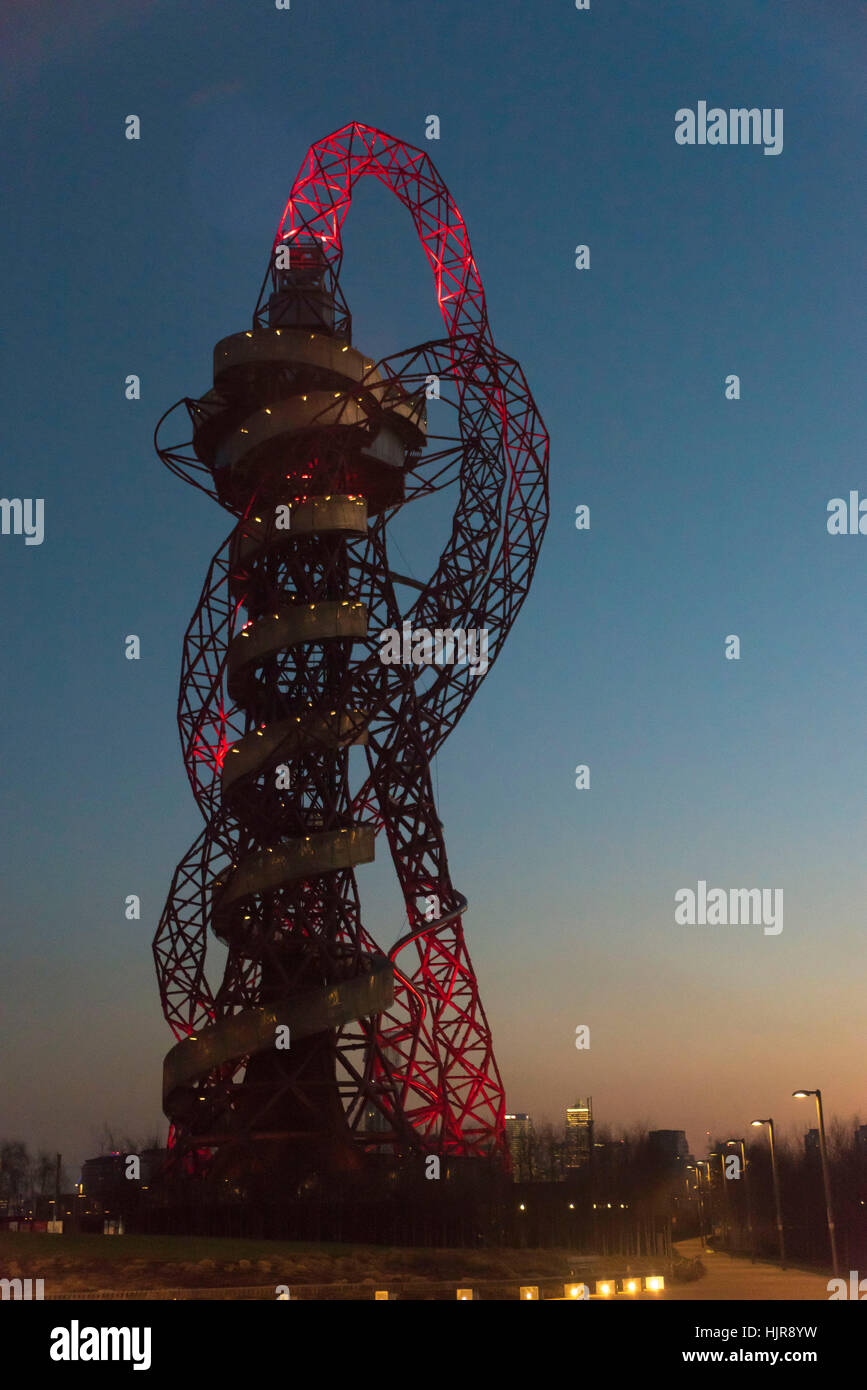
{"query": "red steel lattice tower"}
pixel 317 1046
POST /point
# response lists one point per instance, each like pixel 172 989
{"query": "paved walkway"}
pixel 735 1277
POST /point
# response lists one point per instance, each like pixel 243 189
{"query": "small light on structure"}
pixel 521 1207
pixel 604 1287
pixel 529 1292
pixel 654 1283
pixel 380 1294
pixel 630 1285
pixel 464 1295
pixel 576 1291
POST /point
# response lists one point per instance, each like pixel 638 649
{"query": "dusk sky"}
pixel 708 518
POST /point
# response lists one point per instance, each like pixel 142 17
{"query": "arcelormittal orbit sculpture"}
pixel 317 1046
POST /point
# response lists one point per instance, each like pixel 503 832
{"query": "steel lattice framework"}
pixel 313 448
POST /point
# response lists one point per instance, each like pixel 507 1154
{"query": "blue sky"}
pixel 708 517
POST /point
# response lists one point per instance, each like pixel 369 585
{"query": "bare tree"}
pixel 112 1140
pixel 42 1173
pixel 14 1170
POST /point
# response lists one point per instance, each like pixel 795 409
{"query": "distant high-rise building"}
pixel 108 1176
pixel 610 1154
pixel 669 1146
pixel 579 1133
pixel 518 1126
pixel 522 1146
pixel 103 1177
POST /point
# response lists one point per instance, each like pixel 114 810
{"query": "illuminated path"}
pixel 732 1277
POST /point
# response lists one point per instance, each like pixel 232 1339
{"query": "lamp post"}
pixel 727 1225
pixel 770 1124
pixel 732 1143
pixel 699 1164
pixel 708 1187
pixel 826 1177
pixel 697 1171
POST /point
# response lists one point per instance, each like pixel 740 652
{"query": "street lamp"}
pixel 697 1170
pixel 732 1143
pixel 725 1193
pixel 756 1124
pixel 826 1177
pixel 705 1164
